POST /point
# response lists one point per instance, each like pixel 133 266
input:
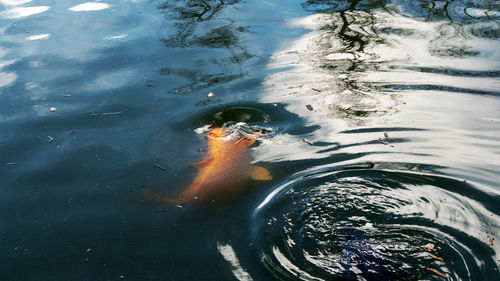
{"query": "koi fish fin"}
pixel 203 162
pixel 260 173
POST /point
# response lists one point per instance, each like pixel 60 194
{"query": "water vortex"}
pixel 359 223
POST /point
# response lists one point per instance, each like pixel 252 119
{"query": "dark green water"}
pixel 401 145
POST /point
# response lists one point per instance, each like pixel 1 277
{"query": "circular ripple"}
pixel 368 224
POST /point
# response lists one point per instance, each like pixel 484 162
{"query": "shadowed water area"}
pixel 383 139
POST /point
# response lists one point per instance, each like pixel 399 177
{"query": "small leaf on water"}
pixel 429 246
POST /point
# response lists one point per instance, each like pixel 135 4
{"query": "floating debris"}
pixel 429 247
pixel 437 272
pixel 108 113
pixel 53 109
pixel 51 139
pixel 316 90
pixel 306 141
pixel 90 250
pixel 210 94
pixel 386 135
pixel 385 142
pixel 434 257
pixel 309 107
pixel 159 167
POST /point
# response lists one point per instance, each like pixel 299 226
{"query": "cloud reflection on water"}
pixel 16 13
pixel 89 6
pixel 38 37
pixel 14 2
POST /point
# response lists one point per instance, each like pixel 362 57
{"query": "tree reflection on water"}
pixel 373 50
pixel 362 54
pixel 197 25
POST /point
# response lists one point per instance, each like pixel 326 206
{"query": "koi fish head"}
pixel 238 134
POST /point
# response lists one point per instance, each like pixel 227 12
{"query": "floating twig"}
pixel 108 113
pixel 316 90
pixel 158 166
pixel 309 107
pixel 434 257
pixel 306 141
pixel 437 272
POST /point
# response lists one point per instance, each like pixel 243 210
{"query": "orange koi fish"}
pixel 225 169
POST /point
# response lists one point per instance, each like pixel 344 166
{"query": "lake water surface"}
pixel 385 144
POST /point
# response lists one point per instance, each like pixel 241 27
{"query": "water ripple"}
pixel 354 223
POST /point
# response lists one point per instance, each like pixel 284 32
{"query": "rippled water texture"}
pixel 371 224
pixel 382 138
